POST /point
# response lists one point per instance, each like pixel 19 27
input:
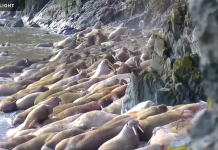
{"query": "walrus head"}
pixel 134 124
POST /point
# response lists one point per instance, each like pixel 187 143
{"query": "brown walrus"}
pixel 13 142
pixel 127 139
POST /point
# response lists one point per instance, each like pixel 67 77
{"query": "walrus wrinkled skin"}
pixel 93 139
pixel 143 105
pixel 115 94
pixel 27 101
pixel 51 144
pixel 145 113
pixel 115 107
pixel 93 119
pixel 163 137
pixel 36 143
pixel 52 102
pixel 159 120
pixel 13 142
pixel 79 109
pixel 127 139
pixel 33 120
pixel 56 128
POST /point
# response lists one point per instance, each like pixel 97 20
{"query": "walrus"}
pixel 43 96
pixel 103 84
pixel 66 120
pixel 133 62
pixel 23 63
pixel 93 119
pixel 119 31
pixel 58 56
pixel 52 102
pixel 124 68
pixel 64 43
pixel 100 37
pixel 103 68
pixel 96 96
pixel 36 143
pixel 25 74
pixel 142 105
pixel 84 100
pixel 159 120
pixel 115 107
pixel 56 128
pixel 34 118
pixel 25 132
pixel 42 45
pixel 71 97
pixel 46 82
pixel 71 46
pixel 113 96
pixel 93 139
pixel 183 127
pixel 62 144
pixel 122 55
pixel 146 56
pixel 145 113
pixel 8 106
pixel 84 85
pixel 11 88
pixel 97 25
pixel 163 137
pixel 80 47
pixel 51 144
pixel 11 69
pixel 90 41
pixel 42 72
pixel 27 101
pixel 127 139
pixel 13 142
pixel 109 57
pixel 63 82
pixel 78 109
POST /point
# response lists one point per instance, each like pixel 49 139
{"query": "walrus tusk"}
pixel 59 103
pixel 101 106
pixel 140 128
pixel 134 130
pixel 114 57
pixel 126 110
pixel 78 70
pixel 110 65
pixel 91 61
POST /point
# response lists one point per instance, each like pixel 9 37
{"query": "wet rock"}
pixel 14 23
pixel 35 25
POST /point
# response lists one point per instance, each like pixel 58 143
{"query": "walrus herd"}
pixel 72 99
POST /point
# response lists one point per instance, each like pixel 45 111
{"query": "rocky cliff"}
pixel 83 13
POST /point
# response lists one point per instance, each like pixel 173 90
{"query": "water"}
pixel 23 42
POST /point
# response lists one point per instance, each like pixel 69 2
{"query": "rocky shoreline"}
pixel 109 86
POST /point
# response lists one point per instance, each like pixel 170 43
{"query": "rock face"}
pixel 14 23
pixel 173 77
pixel 80 14
pixel 204 14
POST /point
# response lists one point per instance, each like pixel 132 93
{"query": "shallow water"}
pixel 23 42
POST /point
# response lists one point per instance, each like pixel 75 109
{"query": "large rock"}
pixel 14 23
